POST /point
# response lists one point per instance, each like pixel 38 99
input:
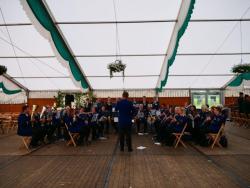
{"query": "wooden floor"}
pixel 102 164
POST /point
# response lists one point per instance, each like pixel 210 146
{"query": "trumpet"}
pixel 33 110
pixel 43 110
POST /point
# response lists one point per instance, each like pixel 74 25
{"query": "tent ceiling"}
pixel 204 57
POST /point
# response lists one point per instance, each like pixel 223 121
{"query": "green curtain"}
pixel 239 79
pixel 9 92
pixel 179 35
pixel 42 15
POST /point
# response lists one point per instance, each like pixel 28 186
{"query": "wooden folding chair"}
pixel 178 137
pixel 216 137
pixel 26 141
pixel 73 137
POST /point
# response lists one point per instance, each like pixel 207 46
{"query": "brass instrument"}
pixel 33 110
pixel 43 110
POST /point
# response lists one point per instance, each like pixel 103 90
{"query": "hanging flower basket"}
pixel 3 69
pixel 241 68
pixel 117 66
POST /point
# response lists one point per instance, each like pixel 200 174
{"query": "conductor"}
pixel 125 109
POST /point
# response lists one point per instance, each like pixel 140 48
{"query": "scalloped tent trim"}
pixel 7 91
pixel 180 33
pixel 239 79
pixel 44 24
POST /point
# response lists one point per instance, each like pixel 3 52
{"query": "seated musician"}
pixel 215 123
pixel 141 119
pixel 52 126
pixel 176 125
pixel 211 125
pixel 194 125
pixel 84 126
pixel 46 120
pixel 102 121
pixel 57 122
pixel 109 106
pixel 68 120
pixel 25 127
pixel 166 117
pixel 93 116
pixel 36 125
pixel 156 104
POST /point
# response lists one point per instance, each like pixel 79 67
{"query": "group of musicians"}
pixel 95 121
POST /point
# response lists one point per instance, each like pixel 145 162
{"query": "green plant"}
pixel 241 68
pixel 60 99
pixel 79 98
pixel 117 66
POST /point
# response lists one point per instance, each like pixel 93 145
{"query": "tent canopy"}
pixel 216 38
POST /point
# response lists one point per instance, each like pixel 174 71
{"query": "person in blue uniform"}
pixel 68 120
pixel 25 127
pixel 141 119
pixel 102 121
pixel 93 116
pixel 126 110
pixel 57 122
pixel 176 125
pixel 156 104
pixel 213 125
pixel 109 107
pixel 36 126
pixel 84 127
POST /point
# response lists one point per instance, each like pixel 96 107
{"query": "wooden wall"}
pixel 11 107
pixel 41 102
pixel 230 100
pixel 174 101
pixel 18 107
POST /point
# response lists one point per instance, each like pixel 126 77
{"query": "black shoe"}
pixel 130 150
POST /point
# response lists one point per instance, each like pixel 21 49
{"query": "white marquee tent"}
pixel 140 32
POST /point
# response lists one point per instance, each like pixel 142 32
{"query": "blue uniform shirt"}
pixel 126 110
pixel 24 125
pixel 216 123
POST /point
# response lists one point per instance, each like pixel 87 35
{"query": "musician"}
pixel 57 122
pixel 25 128
pixel 68 120
pixel 215 123
pixel 141 119
pixel 156 104
pixel 176 125
pixel 36 125
pixel 88 105
pixel 47 123
pixel 93 116
pixel 109 107
pixel 84 126
pixel 102 121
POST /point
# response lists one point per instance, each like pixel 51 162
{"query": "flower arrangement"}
pixel 241 68
pixel 3 69
pixel 117 66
